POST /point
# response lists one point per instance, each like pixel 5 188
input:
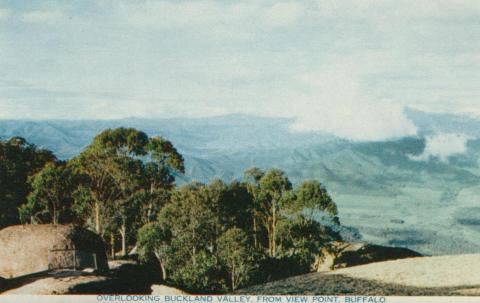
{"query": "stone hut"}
pixel 29 249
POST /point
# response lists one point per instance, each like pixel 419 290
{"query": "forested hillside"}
pixel 201 237
pixel 414 195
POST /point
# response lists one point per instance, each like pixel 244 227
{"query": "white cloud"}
pixel 209 16
pixel 43 16
pixel 398 9
pixel 168 14
pixel 345 67
pixel 336 101
pixel 366 120
pixel 351 115
pixel 190 14
pixel 442 146
pixel 4 14
pixel 283 13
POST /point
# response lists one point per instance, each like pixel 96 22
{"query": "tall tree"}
pixel 51 198
pixel 313 201
pixel 155 238
pixel 191 219
pixel 235 253
pixel 274 191
pixel 18 161
pixel 119 163
pixel 253 176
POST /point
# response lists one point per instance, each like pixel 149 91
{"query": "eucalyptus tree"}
pixel 104 162
pixel 235 254
pixel 51 199
pixel 253 176
pixel 313 202
pixel 119 163
pixel 192 221
pixel 19 160
pixel 154 238
pixel 275 189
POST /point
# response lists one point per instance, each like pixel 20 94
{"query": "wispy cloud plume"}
pixel 443 146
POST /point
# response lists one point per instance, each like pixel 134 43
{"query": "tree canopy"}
pixel 19 160
pixel 205 237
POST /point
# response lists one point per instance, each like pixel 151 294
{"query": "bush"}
pixel 201 275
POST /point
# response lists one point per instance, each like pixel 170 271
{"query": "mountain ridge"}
pixel 375 184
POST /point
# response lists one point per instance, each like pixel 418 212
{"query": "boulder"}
pixel 30 249
pixel 161 290
pixel 341 255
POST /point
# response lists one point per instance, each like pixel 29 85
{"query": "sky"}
pixel 345 67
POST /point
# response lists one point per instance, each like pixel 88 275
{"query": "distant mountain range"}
pixel 381 189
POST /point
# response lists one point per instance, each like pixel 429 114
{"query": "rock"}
pixel 341 255
pixel 29 249
pixel 166 290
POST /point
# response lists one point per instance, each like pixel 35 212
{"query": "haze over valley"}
pixel 419 192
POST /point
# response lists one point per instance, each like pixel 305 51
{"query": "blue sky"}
pixel 346 67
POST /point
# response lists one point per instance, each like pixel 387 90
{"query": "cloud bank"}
pixel 347 68
pixel 443 146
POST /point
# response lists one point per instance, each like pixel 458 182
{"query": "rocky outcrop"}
pixel 28 249
pixel 341 255
pixel 161 290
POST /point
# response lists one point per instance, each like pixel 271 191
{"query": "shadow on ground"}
pixel 124 278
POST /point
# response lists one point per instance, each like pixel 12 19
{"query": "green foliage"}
pixel 127 173
pixel 235 254
pixel 81 207
pixel 50 200
pixel 152 237
pixel 217 231
pixel 304 238
pixel 164 154
pixel 274 192
pixel 155 239
pixel 311 199
pixel 253 175
pixel 19 160
pixel 205 238
pixel 203 275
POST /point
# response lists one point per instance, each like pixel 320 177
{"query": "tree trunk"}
pixel 164 271
pixel 123 233
pixel 233 278
pixel 194 249
pixel 274 229
pixel 112 245
pixel 54 219
pixel 255 241
pixel 150 204
pixel 97 217
pixel 162 267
